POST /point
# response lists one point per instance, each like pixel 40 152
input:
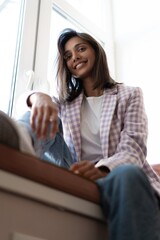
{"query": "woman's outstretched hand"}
pixel 87 169
pixel 43 112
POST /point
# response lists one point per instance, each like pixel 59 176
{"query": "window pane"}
pixel 93 10
pixel 10 12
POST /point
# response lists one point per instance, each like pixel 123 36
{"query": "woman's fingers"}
pixel 44 116
pixel 45 123
pixel 87 169
pixel 53 127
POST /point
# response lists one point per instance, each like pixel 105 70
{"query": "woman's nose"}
pixel 75 57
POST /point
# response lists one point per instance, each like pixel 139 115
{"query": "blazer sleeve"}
pixel 133 135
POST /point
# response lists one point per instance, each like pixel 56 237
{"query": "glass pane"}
pixel 93 10
pixel 10 12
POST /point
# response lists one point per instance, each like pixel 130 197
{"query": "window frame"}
pixel 27 51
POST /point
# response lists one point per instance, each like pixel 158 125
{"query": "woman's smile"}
pixel 80 64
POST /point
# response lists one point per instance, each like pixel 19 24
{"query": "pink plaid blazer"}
pixel 123 129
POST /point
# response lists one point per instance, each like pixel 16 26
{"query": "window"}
pixel 93 11
pixel 18 24
pixel 11 28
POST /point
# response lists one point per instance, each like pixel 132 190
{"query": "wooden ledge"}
pixel 45 173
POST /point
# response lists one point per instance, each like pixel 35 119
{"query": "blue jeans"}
pixel 128 201
pixel 53 150
pixel 130 205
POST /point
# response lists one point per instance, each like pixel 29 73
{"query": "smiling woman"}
pixel 112 152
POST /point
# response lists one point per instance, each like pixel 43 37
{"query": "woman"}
pixel 105 128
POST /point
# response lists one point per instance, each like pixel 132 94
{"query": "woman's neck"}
pixel 93 93
pixel 89 91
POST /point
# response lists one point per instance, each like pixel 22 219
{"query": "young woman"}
pixel 105 129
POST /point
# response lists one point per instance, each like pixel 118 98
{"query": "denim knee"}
pixel 129 203
pixel 126 177
pixel 128 173
pixel 125 180
pixel 53 150
pixel 123 186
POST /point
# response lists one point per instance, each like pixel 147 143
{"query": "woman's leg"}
pixel 53 150
pixel 130 205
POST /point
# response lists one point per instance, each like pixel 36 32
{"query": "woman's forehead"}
pixel 73 42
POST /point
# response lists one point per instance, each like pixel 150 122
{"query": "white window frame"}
pixel 27 48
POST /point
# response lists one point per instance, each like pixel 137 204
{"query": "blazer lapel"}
pixel 108 107
pixel 73 116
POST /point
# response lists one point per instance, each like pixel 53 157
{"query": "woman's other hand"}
pixel 43 112
pixel 87 169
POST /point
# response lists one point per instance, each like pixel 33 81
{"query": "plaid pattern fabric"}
pixel 123 129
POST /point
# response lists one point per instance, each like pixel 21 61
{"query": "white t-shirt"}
pixel 90 128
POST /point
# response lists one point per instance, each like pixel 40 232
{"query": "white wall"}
pixel 137 57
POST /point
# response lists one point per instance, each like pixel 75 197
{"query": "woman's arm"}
pixel 133 135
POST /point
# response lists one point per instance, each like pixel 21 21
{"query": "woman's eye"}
pixel 67 57
pixel 81 49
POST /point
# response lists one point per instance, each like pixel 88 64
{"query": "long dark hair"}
pixel 68 87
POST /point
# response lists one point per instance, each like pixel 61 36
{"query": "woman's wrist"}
pixel 34 96
pixel 30 100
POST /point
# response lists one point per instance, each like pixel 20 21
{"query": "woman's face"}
pixel 79 57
